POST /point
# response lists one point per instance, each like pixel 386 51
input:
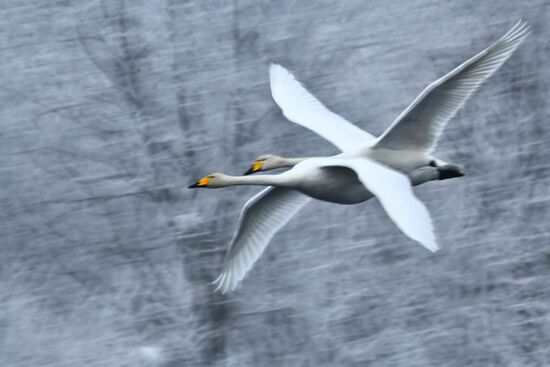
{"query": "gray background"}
pixel 111 108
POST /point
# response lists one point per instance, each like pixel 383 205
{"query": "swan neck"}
pixel 259 180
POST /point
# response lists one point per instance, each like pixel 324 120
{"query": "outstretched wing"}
pixel 301 107
pixel 262 216
pixel 394 191
pixel 419 125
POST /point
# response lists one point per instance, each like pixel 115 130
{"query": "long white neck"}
pixel 258 180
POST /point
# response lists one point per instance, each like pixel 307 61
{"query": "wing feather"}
pixel 419 126
pixel 301 107
pixel 261 217
pixel 394 191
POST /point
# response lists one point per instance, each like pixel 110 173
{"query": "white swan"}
pixel 359 172
pixel 415 130
pixel 337 180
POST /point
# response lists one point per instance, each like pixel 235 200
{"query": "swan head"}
pixel 213 180
pixel 266 162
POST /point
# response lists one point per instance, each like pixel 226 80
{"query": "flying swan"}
pixel 384 167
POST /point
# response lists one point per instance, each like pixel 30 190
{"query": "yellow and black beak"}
pixel 257 166
pixel 203 182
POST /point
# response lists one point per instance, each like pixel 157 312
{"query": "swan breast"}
pixel 333 184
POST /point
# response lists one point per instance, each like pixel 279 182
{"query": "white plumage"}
pixel 375 166
pixel 421 123
pixel 395 193
pixel 302 108
pixel 322 178
pixel 261 217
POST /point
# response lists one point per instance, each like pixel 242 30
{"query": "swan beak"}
pixel 200 183
pixel 257 166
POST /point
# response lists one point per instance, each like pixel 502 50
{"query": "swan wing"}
pixel 394 191
pixel 420 124
pixel 261 217
pixel 302 108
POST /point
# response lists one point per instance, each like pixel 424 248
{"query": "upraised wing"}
pixel 419 125
pixel 394 191
pixel 261 217
pixel 301 107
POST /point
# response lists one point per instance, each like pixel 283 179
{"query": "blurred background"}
pixel 111 108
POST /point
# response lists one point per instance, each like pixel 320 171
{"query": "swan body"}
pixel 383 167
pixel 336 184
pixel 339 180
pixel 406 161
pixel 339 185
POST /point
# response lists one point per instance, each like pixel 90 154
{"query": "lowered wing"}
pixel 261 217
pixel 394 191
